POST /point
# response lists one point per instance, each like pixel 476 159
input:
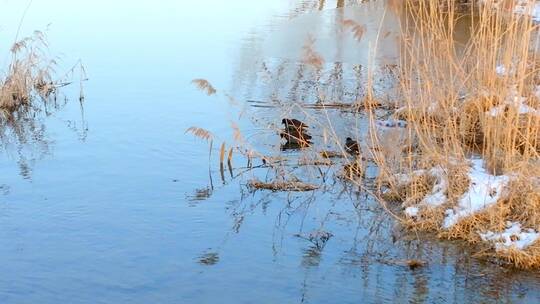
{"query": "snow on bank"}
pixel 412 211
pixel 522 109
pixel 513 237
pixel 515 100
pixel 484 191
pixel 437 196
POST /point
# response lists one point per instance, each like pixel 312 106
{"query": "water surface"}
pixel 114 204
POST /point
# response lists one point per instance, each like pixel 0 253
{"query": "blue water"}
pixel 97 204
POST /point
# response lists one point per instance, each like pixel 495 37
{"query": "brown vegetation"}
pixel 461 103
pixel 29 75
pixel 469 101
pixel 282 185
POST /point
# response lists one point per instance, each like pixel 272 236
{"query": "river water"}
pixel 109 201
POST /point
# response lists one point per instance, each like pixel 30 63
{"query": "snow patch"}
pixel 515 100
pixel 412 211
pixel 485 190
pixel 522 109
pixel 502 71
pixel 437 196
pixel 513 237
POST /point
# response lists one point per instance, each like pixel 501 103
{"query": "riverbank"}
pixel 470 160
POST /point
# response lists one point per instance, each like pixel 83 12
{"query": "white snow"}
pixel 437 196
pixel 513 237
pixel 412 211
pixel 522 109
pixel 485 190
pixel 501 70
pixel 515 100
pixel 525 109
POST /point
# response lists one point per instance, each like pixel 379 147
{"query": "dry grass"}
pixel 28 77
pixel 332 154
pixel 311 57
pixel 357 29
pixel 529 259
pixel 201 133
pixel 353 170
pixel 282 186
pixel 205 86
pixel 457 104
pixel 315 162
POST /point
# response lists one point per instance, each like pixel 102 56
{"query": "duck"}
pixel 293 123
pixel 295 136
pixel 351 146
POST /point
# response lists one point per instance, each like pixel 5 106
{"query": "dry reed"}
pixel 469 101
pixel 460 101
pixel 282 186
pixel 28 77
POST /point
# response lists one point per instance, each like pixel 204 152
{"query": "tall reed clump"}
pixel 28 77
pixel 470 161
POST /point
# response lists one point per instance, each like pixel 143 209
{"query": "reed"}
pixel 464 102
pixel 462 160
pixel 28 78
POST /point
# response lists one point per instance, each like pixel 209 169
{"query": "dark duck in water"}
pixel 295 134
pixel 352 146
pixel 293 123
